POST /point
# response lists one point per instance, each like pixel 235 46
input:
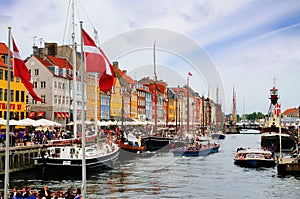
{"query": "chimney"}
pixel 124 71
pixel 35 50
pixel 51 48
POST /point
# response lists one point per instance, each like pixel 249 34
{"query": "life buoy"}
pixel 52 151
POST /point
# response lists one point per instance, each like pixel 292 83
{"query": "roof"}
pixel 121 74
pixel 60 62
pixel 290 111
pixel 4 49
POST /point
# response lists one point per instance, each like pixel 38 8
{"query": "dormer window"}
pixel 56 70
pixel 64 72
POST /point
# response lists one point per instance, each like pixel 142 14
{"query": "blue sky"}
pixel 249 42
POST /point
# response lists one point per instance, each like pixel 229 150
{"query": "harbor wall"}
pixel 20 157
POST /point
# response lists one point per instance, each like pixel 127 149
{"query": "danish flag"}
pixel 277 109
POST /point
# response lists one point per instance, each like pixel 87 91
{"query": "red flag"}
pixel 93 58
pixel 21 71
pixel 106 79
pixel 190 74
pixel 96 61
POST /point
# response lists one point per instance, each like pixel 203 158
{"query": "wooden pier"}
pixel 21 157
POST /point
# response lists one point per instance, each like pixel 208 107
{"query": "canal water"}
pixel 163 176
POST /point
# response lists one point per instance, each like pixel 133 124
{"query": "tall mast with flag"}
pixel 6 177
pixel 93 60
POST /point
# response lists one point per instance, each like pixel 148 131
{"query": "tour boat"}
pixel 66 155
pixel 254 158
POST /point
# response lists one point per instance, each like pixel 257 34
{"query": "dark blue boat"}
pixel 197 150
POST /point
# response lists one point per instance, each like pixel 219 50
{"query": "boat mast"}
pixel 83 117
pixel 6 180
pixel 188 106
pixel 96 90
pixel 74 74
pixel 155 91
pixel 217 109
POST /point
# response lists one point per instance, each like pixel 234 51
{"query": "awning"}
pixel 67 115
pixel 41 114
pixel 58 114
pixel 31 114
pixel 62 115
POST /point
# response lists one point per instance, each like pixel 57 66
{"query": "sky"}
pixel 245 44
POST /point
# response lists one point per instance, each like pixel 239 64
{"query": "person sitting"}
pixel 45 193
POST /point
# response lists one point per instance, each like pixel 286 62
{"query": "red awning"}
pixel 67 115
pixel 41 114
pixel 31 114
pixel 58 114
pixel 62 114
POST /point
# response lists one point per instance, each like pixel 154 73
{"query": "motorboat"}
pixel 254 158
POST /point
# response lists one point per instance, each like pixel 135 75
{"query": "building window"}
pixel 17 96
pixel 11 76
pixel 29 71
pixel 1 74
pixel 55 84
pixel 5 95
pixel 36 71
pixel 43 84
pixel 43 98
pixel 11 95
pixel 1 94
pixel 34 84
pixel 55 99
pixel 5 74
pixel 23 96
pixel 27 99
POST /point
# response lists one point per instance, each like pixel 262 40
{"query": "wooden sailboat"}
pixel 79 153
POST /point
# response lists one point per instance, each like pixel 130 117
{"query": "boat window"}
pixel 72 151
pixel 57 150
pixel 259 156
pixel 250 156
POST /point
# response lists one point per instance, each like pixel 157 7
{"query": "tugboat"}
pixel 270 132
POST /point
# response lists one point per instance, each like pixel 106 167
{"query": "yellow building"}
pixel 172 110
pixel 18 91
pixel 116 101
pixel 134 104
pixel 91 94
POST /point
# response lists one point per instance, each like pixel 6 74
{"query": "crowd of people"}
pixel 44 193
pixel 21 137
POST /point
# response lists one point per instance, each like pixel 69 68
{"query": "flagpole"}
pixel 6 180
pixel 83 116
pixel 74 75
